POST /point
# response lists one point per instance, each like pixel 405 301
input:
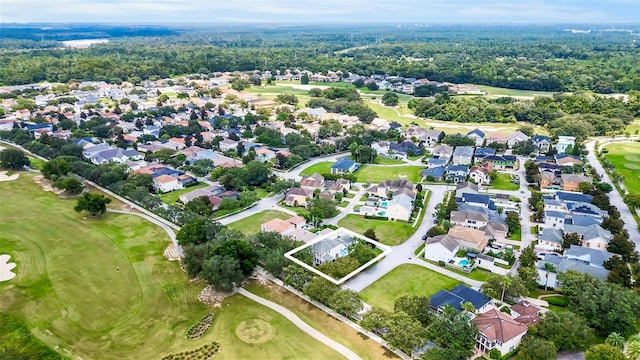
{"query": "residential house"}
pixel 481 174
pixel 477 136
pixel 213 190
pixel 466 187
pixel 166 183
pixel 565 142
pixel 555 219
pixel 496 137
pixel 516 137
pixel 456 173
pixel 312 182
pixel 469 220
pixel 431 137
pixel 434 173
pixel 442 151
pixel 592 236
pixel 433 162
pixel 593 257
pixel 571 182
pixel 457 296
pixel 393 187
pixel 547 179
pixel 381 147
pixel 344 166
pixel 441 248
pixel 277 225
pixel 100 155
pixel 400 207
pixel 482 152
pixel 264 154
pixel 550 239
pixel 331 248
pixel 498 331
pixel 481 200
pixel 228 144
pixel 560 264
pixel 297 197
pixel 379 124
pixel 469 238
pixel 340 185
pixel 502 162
pixel 541 142
pixel 526 313
pixel 404 149
pixel 462 155
pixel 567 160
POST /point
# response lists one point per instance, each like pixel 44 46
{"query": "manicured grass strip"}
pixel 320 168
pixel 173 196
pixel 376 174
pixel 477 273
pixel 503 182
pixel 388 232
pixel 626 160
pixel 407 279
pixel 381 160
pixel 335 329
pixel 251 224
pixel 512 92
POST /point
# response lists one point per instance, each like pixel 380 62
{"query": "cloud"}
pixel 320 11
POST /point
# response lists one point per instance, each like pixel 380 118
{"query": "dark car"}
pixel 424 237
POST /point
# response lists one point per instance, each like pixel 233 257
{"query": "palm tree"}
pixel 549 268
pixel 616 340
pixel 633 348
pixel 468 306
pixel 505 282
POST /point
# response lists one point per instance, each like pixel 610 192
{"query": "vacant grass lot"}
pixel 503 182
pixel 381 160
pixel 512 92
pixel 320 168
pixel 70 294
pixel 251 224
pixel 626 159
pixel 335 329
pixel 172 197
pixel 407 279
pixel 388 232
pixel 376 174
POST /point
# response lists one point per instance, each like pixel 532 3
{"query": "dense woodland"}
pixel 534 58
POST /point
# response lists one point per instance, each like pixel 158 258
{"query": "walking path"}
pixel 346 352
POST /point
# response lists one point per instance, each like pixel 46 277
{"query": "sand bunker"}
pixel 5 268
pixel 5 177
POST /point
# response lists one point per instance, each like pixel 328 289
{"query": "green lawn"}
pixel 626 159
pixel 335 329
pixel 320 168
pixel 376 174
pixel 477 273
pixel 516 235
pixel 344 204
pixel 633 128
pixel 173 196
pixel 512 92
pixel 503 182
pixel 407 279
pixel 251 224
pixel 286 342
pixel 70 294
pixel 36 163
pixel 381 160
pixel 388 232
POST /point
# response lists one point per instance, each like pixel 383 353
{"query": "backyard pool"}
pixel 382 213
pixel 463 262
pixel 383 203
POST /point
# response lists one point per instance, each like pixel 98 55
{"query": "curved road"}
pixel 346 352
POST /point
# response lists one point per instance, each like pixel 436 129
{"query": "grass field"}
pixel 512 92
pixel 251 224
pixel 633 128
pixel 376 174
pixel 70 294
pixel 626 159
pixel 320 168
pixel 335 329
pixel 173 196
pixel 388 232
pixel 381 160
pixel 503 182
pixel 407 279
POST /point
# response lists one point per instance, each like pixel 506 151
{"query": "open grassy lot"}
pixel 320 168
pixel 173 196
pixel 407 279
pixel 70 294
pixel 251 224
pixel 626 159
pixel 381 160
pixel 335 329
pixel 388 232
pixel 503 182
pixel 512 92
pixel 376 174
pixel 269 334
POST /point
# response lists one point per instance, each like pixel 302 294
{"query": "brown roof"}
pixel 299 191
pixel 462 216
pixel 164 179
pixel 214 200
pixel 276 225
pixel 496 325
pixel 525 307
pixel 296 220
pixel 467 234
pixel 528 320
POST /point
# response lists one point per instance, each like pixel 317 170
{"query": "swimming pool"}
pixel 382 213
pixel 383 203
pixel 343 252
pixel 463 262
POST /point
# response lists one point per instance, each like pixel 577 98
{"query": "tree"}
pixel 535 348
pixel 375 319
pixel 94 204
pixel 529 276
pixel 604 352
pixel 340 267
pixel 621 245
pixel 415 306
pixel 453 331
pixel 633 201
pixel 321 290
pixel 616 340
pixel 371 234
pixel 55 168
pixel 501 286
pixel 239 250
pixel 633 348
pixel 304 79
pixel 405 332
pixel 346 302
pixel 568 331
pixel 548 268
pixel 528 256
pixel 296 276
pixel 513 221
pixel 325 208
pixel 69 184
pixel 390 99
pixel 13 159
pixel 570 239
pixel 221 272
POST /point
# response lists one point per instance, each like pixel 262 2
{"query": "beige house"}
pixel 312 182
pixel 298 197
pixel 469 238
pixel 571 182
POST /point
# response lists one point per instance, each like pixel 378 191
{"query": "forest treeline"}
pixel 533 59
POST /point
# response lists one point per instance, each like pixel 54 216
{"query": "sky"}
pixel 321 11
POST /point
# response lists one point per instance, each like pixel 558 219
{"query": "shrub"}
pixel 558 301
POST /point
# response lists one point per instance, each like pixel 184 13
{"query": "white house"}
pixel 498 331
pixel 477 136
pixel 441 248
pixel 462 155
pixel 166 183
pixel 400 207
pixel 228 144
pixel 515 138
pixel 381 147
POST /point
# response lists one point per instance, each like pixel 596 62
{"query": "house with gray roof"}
pixel 462 155
pixel 550 239
pixel 563 264
pixel 592 236
pixel 331 248
pixel 593 257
